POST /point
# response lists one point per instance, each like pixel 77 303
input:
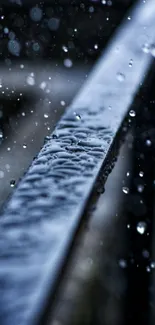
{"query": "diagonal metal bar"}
pixel 39 222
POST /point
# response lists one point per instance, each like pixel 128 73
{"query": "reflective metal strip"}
pixel 41 218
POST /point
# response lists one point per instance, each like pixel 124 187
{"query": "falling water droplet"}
pixel 125 190
pixel 68 63
pixel 131 63
pixel 140 188
pixel 152 265
pixel 132 113
pixel 152 50
pixel 24 146
pixel 141 174
pixel 148 142
pixel 122 263
pixel 45 115
pixel 148 269
pixel 65 49
pixel 120 77
pixel 146 48
pixel 12 183
pixel 141 227
pixel 30 80
pixel 62 103
pixel 77 116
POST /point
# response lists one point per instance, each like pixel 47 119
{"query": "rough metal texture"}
pixel 39 221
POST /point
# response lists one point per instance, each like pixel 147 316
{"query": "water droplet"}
pixel 140 188
pixel 141 174
pixel 148 142
pixel 128 226
pixel 43 85
pixel 65 49
pixel 129 18
pixel 131 63
pixel 36 14
pixel 152 50
pixel 12 183
pixel 24 146
pixel 68 63
pixel 96 46
pixel 146 48
pixel 1 134
pixel 152 265
pixel 128 174
pixel 141 227
pixel 62 103
pixel 125 190
pixel 14 47
pixel 132 113
pixel 120 77
pixel 122 263
pixel 148 269
pixel 77 116
pixel 6 30
pixel 53 24
pixel 45 115
pixel 145 253
pixel 30 80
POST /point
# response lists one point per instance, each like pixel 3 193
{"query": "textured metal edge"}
pixel 40 220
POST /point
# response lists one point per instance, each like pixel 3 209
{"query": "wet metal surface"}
pixel 40 220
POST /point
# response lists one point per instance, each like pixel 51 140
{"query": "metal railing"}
pixel 40 221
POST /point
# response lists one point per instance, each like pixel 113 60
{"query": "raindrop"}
pixel 45 115
pixel 128 174
pixel 36 47
pixel 148 142
pixel 148 269
pixel 132 113
pixel 53 24
pixel 14 47
pixel 30 80
pixel 36 14
pixel 6 30
pixel 146 48
pixel 62 103
pixel 141 174
pixel 77 116
pixel 122 263
pixel 1 134
pixel 43 85
pixel 68 63
pixel 120 77
pixel 96 46
pixel 141 227
pixel 24 146
pixel 140 188
pixel 125 190
pixel 152 50
pixel 131 63
pixel 152 265
pixel 12 183
pixel 65 49
pixel 145 253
